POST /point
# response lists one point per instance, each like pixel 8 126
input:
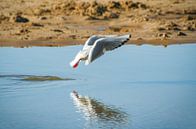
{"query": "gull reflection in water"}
pixel 98 114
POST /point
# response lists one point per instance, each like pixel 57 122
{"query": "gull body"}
pixel 96 46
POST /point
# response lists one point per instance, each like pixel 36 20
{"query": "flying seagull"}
pixel 96 46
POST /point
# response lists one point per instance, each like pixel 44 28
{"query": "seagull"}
pixel 96 46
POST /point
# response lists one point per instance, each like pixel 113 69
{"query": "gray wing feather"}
pixel 115 42
pixel 96 51
pixel 108 43
pixel 91 40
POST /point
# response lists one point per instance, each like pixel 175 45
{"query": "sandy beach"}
pixel 25 23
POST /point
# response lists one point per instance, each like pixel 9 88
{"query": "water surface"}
pixel 139 87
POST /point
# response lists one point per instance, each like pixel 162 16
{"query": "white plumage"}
pixel 96 46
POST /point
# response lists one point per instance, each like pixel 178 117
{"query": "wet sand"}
pixel 71 22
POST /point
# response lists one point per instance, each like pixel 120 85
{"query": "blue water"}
pixel 133 87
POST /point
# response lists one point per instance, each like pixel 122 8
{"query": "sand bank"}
pixel 71 22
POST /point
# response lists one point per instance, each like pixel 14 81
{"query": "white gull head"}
pixel 80 56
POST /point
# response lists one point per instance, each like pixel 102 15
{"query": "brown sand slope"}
pixel 65 22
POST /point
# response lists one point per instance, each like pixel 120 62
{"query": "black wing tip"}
pixel 129 36
pixel 126 40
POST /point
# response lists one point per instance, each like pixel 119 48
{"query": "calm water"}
pixel 133 87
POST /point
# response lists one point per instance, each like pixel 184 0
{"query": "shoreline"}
pixel 61 43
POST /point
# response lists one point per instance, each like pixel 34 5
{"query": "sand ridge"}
pixel 68 22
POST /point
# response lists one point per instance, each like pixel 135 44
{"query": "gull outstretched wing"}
pixel 105 44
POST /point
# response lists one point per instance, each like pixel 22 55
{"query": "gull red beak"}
pixel 74 63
